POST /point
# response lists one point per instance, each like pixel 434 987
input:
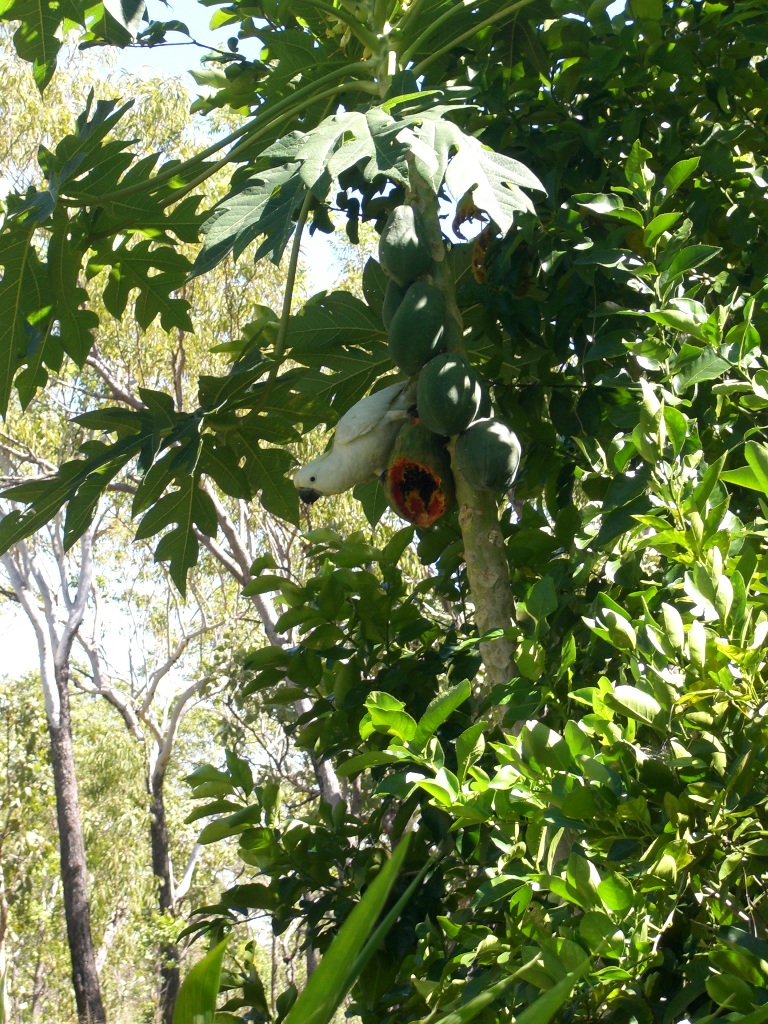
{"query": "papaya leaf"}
pixel 221 464
pixel 495 181
pixel 85 150
pixel 327 322
pixel 265 470
pixel 264 205
pixel 292 57
pixel 25 304
pixel 373 499
pixel 45 497
pixel 75 323
pixel 36 39
pixel 156 271
pixel 315 150
pixel 187 507
pixel 355 370
pixel 127 13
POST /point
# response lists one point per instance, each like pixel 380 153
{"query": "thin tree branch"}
pixel 118 390
pixel 159 674
pixel 75 617
pixel 182 888
pixel 164 753
pixel 99 685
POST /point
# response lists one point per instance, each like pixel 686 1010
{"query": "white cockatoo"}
pixel 362 443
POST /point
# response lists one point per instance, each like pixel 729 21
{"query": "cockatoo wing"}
pixel 361 444
pixel 369 412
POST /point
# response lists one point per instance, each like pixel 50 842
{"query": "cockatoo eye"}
pixel 312 479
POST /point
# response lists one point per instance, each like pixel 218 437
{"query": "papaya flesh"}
pixel 416 331
pixel 488 455
pixel 419 482
pixel 404 252
pixel 448 394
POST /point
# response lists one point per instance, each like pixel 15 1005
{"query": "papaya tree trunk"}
pixel 488 576
pixel 486 560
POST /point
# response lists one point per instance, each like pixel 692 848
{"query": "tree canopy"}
pixel 557 690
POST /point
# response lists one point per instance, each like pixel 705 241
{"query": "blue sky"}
pixel 183 55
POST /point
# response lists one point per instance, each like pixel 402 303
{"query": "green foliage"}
pixel 352 948
pixel 198 994
pixel 601 813
pixel 112 800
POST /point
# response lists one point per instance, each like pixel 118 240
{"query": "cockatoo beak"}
pixel 308 495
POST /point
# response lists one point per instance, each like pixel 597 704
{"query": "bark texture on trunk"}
pixel 38 992
pixel 4 1008
pixel 161 867
pixel 74 874
pixel 54 642
pixel 488 575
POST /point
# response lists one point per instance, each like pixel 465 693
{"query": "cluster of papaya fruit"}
pixel 425 340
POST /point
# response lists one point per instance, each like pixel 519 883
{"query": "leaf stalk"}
pixel 359 31
pixel 491 20
pixel 285 312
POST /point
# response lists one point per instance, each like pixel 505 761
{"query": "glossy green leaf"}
pixel 635 703
pixel 198 994
pixel 341 963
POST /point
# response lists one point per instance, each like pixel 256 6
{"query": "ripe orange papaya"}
pixel 419 482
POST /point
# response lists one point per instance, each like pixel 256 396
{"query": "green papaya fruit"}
pixel 488 455
pixel 448 394
pixel 416 331
pixel 418 480
pixel 404 252
pixel 393 296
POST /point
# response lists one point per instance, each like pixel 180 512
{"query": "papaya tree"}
pixel 566 710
